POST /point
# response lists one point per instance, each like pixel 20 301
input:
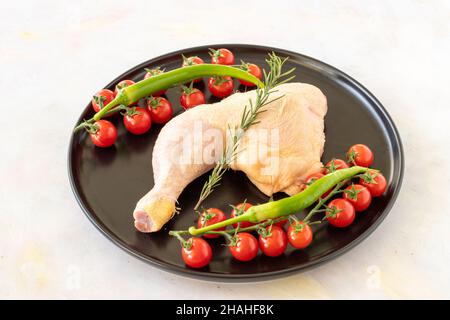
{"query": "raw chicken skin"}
pixel 277 154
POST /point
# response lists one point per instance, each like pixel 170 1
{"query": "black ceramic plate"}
pixel 108 182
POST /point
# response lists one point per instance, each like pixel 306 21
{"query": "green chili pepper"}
pixel 146 87
pixel 289 205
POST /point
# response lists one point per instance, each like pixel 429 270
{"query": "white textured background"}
pixel 55 54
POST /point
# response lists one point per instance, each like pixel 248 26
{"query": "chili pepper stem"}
pixel 194 231
pixel 86 123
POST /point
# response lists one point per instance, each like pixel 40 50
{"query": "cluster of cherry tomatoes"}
pixel 138 120
pixel 357 197
pixel 273 240
pixel 243 246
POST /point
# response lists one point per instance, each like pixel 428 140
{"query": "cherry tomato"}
pixel 190 61
pixel 273 241
pixel 209 217
pixel 244 246
pixel 101 99
pixel 222 56
pixel 311 179
pixel 360 155
pixel 103 133
pixel 252 69
pixel 335 164
pixel 220 87
pixel 237 211
pixel 299 235
pixel 160 109
pixel 375 182
pixel 151 73
pixel 359 196
pixel 192 97
pixel 281 223
pixel 196 253
pixel 340 213
pixel 137 120
pixel 122 84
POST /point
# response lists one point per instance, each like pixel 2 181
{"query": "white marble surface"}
pixel 48 249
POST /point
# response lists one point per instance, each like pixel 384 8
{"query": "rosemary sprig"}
pixel 250 114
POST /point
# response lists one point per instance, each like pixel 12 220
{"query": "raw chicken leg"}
pixel 277 154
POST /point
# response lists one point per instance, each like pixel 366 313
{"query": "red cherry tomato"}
pixel 209 217
pixel 375 182
pixel 222 56
pixel 137 120
pixel 340 213
pixel 122 84
pixel 311 179
pixel 101 99
pixel 244 246
pixel 359 196
pixel 281 223
pixel 220 87
pixel 252 69
pixel 151 73
pixel 190 61
pixel 103 133
pixel 360 155
pixel 273 241
pixel 335 164
pixel 160 109
pixel 237 211
pixel 192 98
pixel 299 235
pixel 196 253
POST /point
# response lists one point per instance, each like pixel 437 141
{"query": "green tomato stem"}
pixel 322 201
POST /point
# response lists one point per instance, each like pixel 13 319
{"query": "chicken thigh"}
pixel 276 154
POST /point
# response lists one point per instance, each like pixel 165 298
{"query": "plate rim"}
pixel 399 160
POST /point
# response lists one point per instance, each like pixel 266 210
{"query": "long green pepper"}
pixel 296 203
pixel 146 87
